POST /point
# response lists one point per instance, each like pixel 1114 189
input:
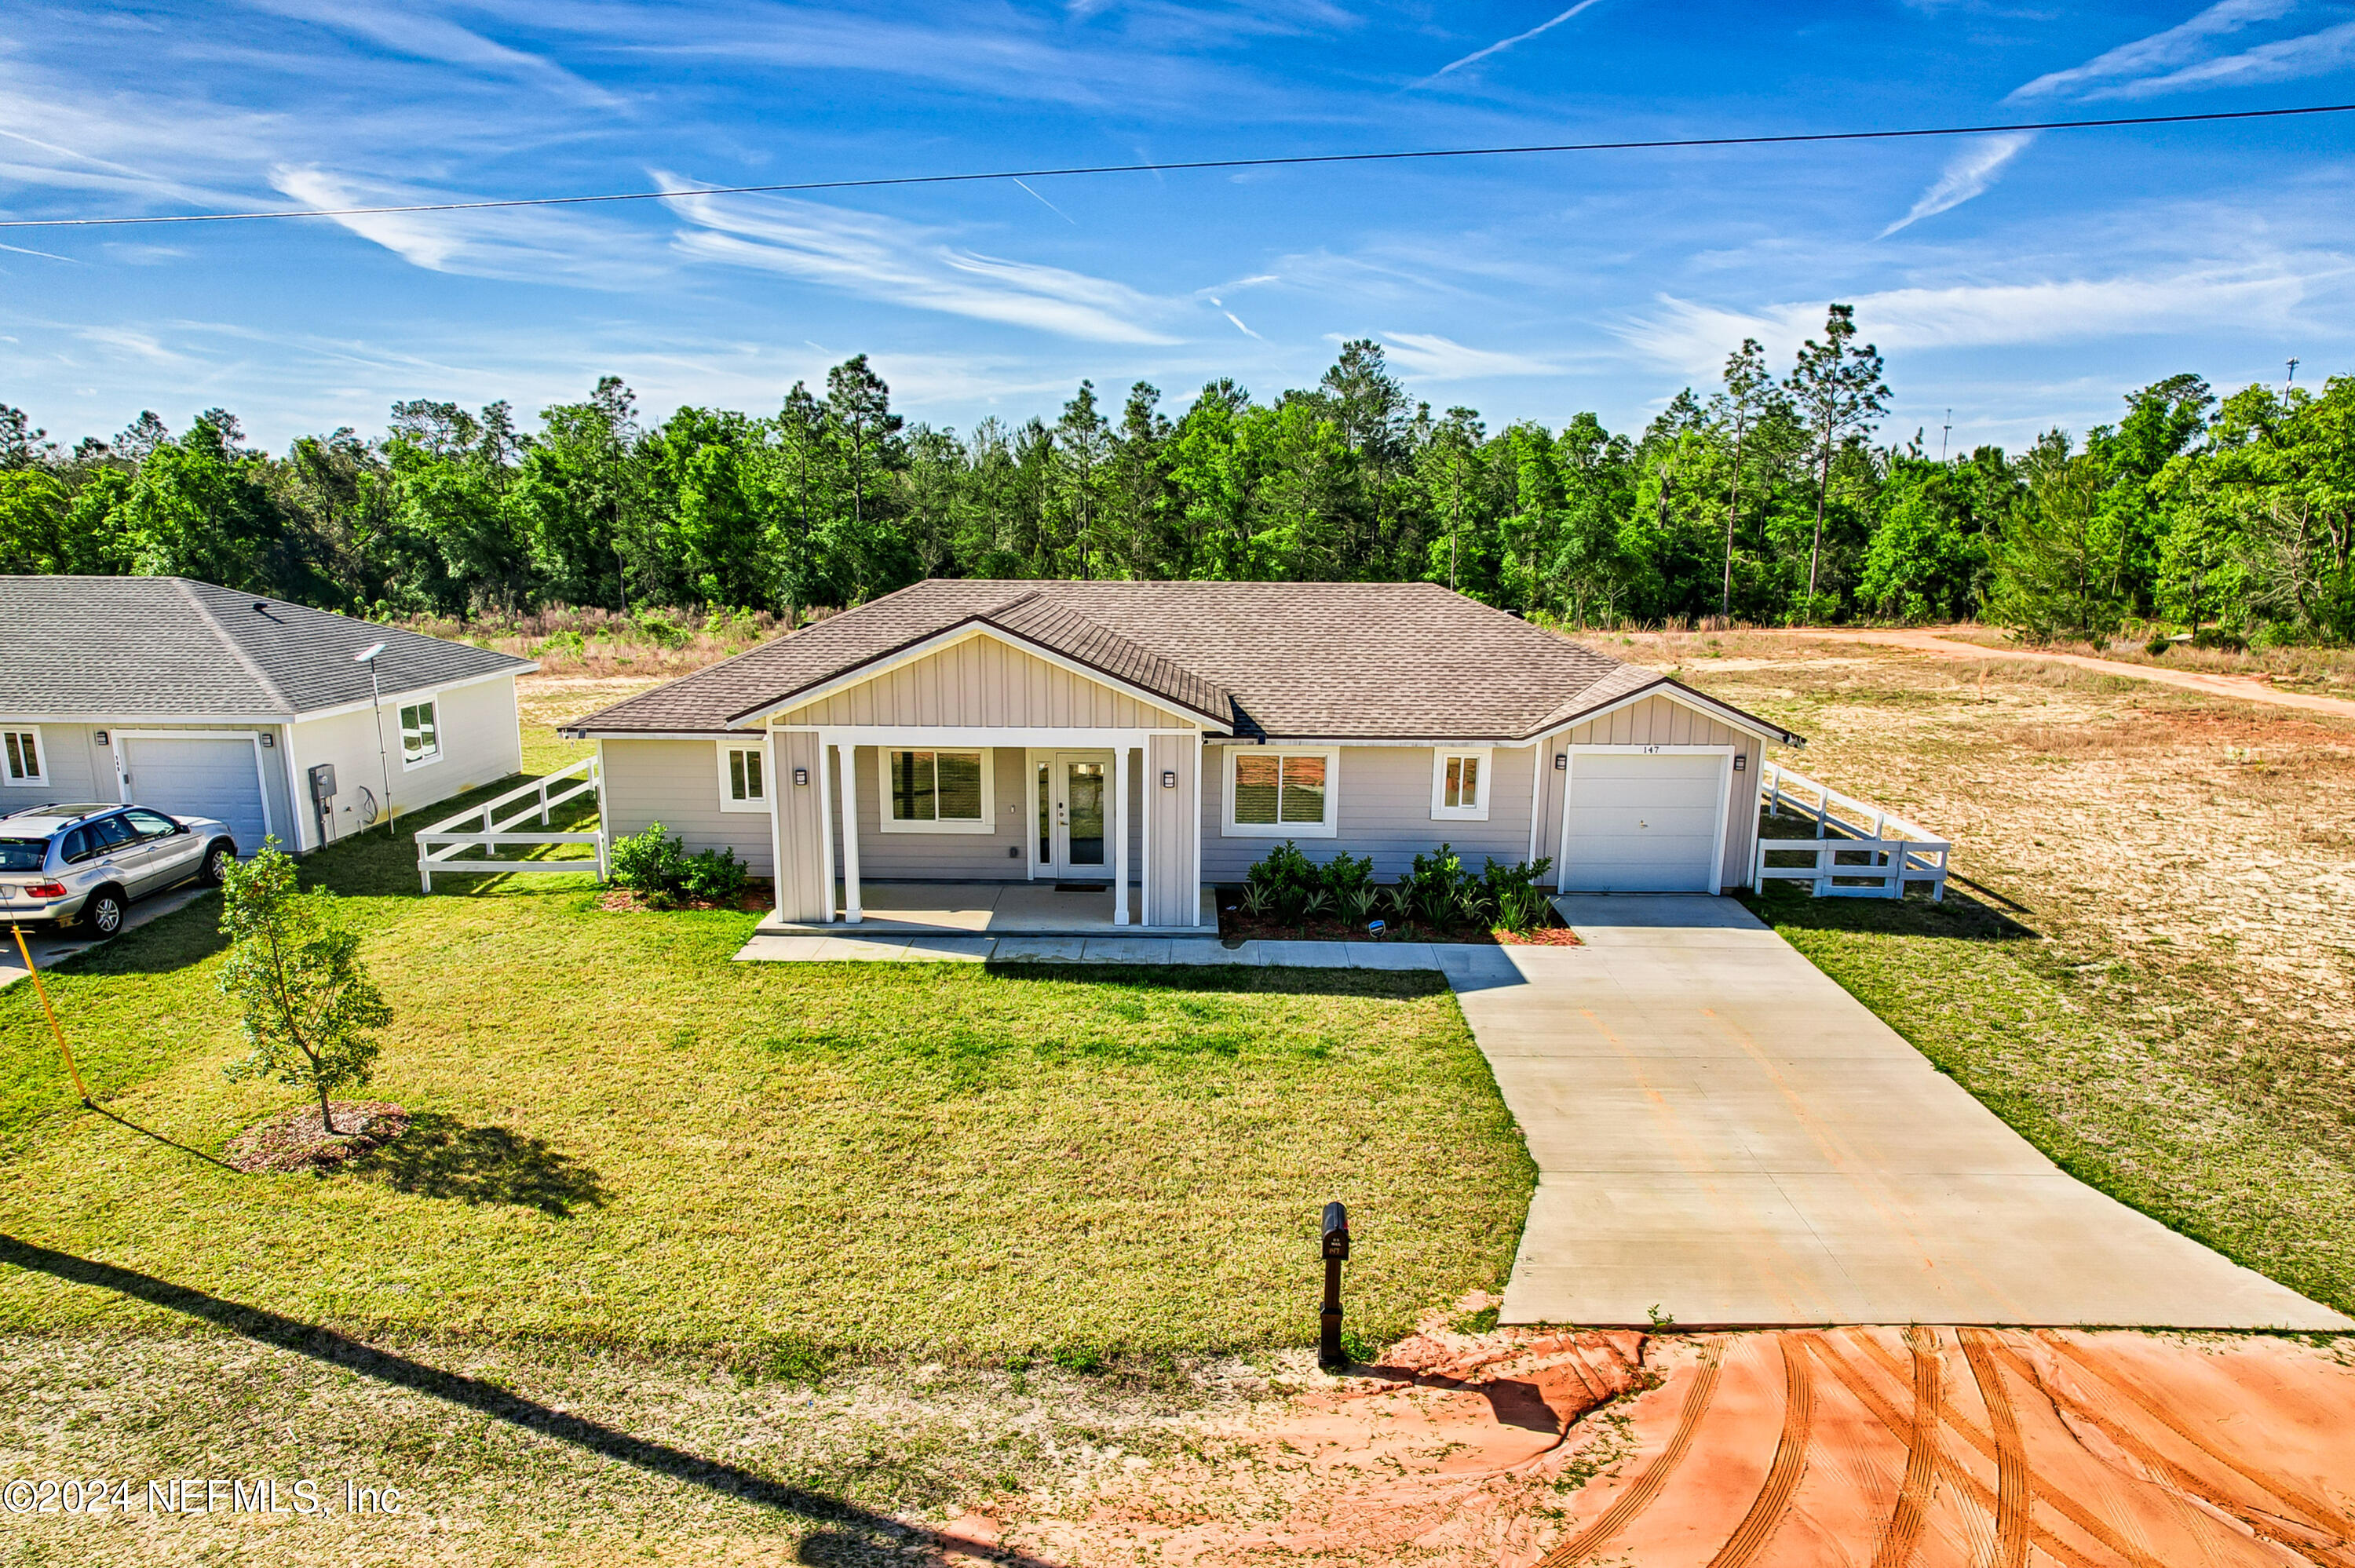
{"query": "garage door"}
pixel 198 776
pixel 1642 823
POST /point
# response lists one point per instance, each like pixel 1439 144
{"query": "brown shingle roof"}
pixel 1337 661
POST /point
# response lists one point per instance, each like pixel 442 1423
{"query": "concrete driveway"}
pixel 1724 1134
pixel 50 945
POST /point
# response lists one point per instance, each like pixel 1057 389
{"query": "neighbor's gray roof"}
pixel 1337 661
pixel 121 648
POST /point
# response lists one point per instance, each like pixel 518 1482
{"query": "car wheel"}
pixel 217 860
pixel 103 911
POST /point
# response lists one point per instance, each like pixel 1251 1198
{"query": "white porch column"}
pixel 1144 779
pixel 1120 834
pixel 825 829
pixel 850 756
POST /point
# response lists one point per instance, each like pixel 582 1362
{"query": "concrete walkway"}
pixel 1724 1134
pixel 1463 962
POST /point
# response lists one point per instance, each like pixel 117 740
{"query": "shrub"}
pixel 1344 875
pixel 1439 884
pixel 651 864
pixel 715 876
pixel 2159 644
pixel 657 868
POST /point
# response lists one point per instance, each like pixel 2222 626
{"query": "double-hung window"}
pixel 25 758
pixel 420 735
pixel 932 792
pixel 1272 793
pixel 743 779
pixel 1460 782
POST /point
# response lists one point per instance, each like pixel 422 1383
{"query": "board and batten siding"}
pixel 1661 721
pixel 1175 813
pixel 983 683
pixel 1385 813
pixel 676 783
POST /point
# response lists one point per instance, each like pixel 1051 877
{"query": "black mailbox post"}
pixel 1336 1250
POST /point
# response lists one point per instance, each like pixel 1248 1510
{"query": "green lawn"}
pixel 626 1139
pixel 2029 1032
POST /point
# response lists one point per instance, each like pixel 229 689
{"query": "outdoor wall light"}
pixel 99 739
pixel 1561 762
pixel 268 742
pixel 800 777
pixel 1170 779
pixel 1741 762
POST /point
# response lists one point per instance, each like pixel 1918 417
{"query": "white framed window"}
pixel 1460 782
pixel 928 790
pixel 421 733
pixel 24 760
pixel 743 778
pixel 1273 792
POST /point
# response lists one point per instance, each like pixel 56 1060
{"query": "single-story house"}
pixel 196 700
pixel 1162 735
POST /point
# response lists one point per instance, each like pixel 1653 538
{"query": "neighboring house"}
pixel 1165 735
pixel 196 700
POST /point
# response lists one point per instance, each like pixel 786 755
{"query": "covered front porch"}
pixel 981 830
pixel 993 909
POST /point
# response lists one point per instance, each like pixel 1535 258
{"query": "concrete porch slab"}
pixel 990 910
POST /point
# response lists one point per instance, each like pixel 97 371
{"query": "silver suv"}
pixel 80 861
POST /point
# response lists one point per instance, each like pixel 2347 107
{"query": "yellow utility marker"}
pixel 42 992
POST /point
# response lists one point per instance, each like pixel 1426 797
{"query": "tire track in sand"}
pixel 1903 1534
pixel 1638 1497
pixel 1773 1499
pixel 2013 1498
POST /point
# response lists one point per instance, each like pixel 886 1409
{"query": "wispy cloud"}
pixel 531 245
pixel 1693 338
pixel 883 258
pixel 1967 173
pixel 1444 359
pixel 1501 45
pixel 2144 60
pixel 2313 54
pixel 413 29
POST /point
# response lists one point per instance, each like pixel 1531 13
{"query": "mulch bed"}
pixel 299 1141
pixel 1236 926
pixel 621 901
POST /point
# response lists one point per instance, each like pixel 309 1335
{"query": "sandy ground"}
pixel 2246 688
pixel 1930 1446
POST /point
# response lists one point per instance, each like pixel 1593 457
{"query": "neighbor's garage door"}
pixel 198 776
pixel 1642 823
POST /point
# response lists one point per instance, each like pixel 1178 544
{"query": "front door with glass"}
pixel 1074 813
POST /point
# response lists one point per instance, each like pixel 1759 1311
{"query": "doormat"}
pixel 1083 886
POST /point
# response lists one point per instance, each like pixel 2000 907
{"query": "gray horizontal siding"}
pixel 1385 813
pixel 676 783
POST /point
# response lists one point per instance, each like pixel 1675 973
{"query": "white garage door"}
pixel 1642 823
pixel 198 776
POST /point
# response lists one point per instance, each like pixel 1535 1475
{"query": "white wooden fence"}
pixel 1858 850
pixel 439 845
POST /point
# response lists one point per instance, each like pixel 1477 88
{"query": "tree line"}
pixel 1765 500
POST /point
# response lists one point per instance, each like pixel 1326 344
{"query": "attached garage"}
pixel 1644 819
pixel 196 774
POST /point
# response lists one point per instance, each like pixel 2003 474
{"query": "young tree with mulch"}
pixel 310 1009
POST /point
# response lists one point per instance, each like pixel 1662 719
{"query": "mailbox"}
pixel 1337 1231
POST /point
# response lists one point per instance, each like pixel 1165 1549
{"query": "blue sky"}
pixel 2021 282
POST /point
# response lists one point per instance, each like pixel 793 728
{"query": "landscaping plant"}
pixel 311 1010
pixel 657 868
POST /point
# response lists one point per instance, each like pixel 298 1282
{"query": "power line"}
pixel 1198 164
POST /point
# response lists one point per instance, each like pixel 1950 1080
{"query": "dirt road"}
pixel 2247 688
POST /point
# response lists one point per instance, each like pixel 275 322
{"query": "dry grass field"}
pixel 2151 977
